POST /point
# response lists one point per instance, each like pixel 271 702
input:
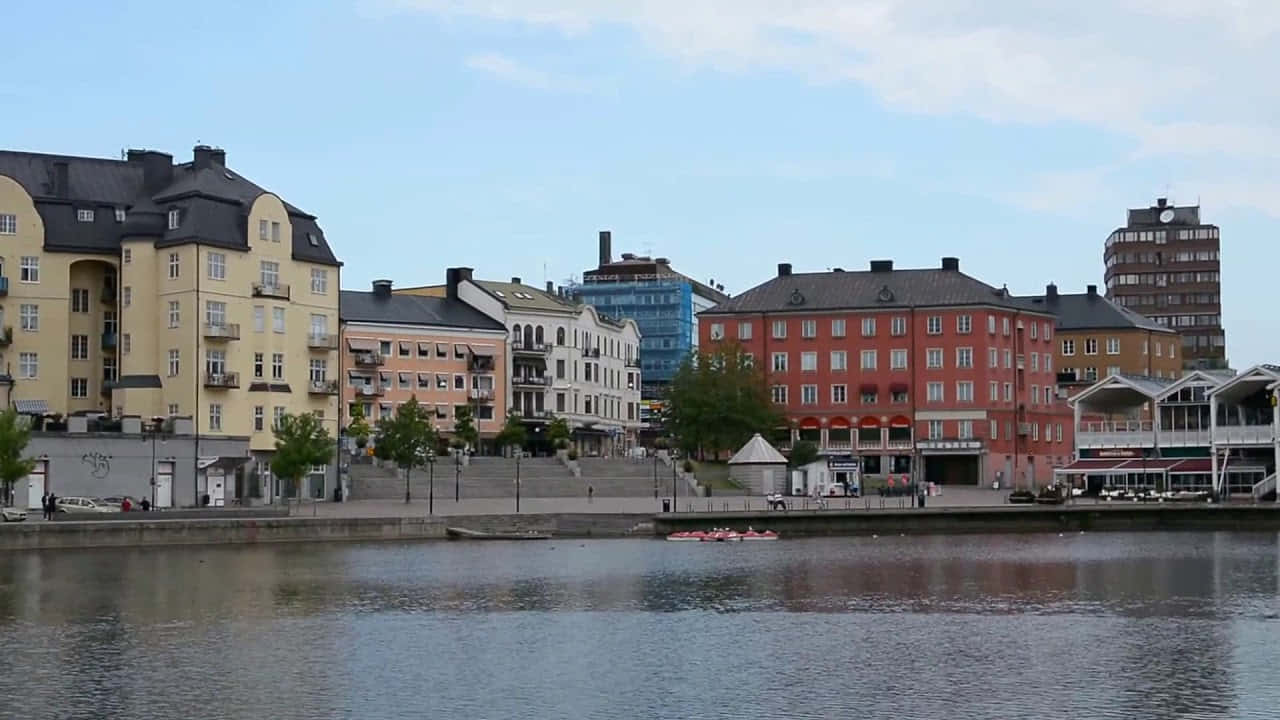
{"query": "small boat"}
pixel 757 536
pixel 456 533
pixel 722 536
pixel 692 536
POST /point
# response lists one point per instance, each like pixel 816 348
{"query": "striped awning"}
pixel 362 344
pixel 481 351
pixel 31 407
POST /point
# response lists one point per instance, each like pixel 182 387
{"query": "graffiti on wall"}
pixel 99 464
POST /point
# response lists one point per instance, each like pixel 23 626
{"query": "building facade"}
pixel 441 352
pixel 151 289
pixel 924 373
pixel 1097 338
pixel 1165 264
pixel 664 305
pixel 566 360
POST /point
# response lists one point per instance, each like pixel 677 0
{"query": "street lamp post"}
pixel 431 482
pixel 457 475
pixel 655 475
pixel 673 483
pixel 518 454
pixel 156 429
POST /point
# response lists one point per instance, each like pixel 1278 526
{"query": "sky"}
pixel 727 135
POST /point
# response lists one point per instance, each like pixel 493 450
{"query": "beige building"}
pixel 140 287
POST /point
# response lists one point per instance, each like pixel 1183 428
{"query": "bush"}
pixel 573 453
pixel 661 444
pixel 562 444
pixel 688 466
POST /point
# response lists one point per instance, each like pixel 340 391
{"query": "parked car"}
pixel 13 514
pixel 85 505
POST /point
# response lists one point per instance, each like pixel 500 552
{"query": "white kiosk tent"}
pixel 1244 432
pixel 759 467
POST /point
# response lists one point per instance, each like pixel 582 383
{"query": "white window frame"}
pixel 175 362
pixel 809 394
pixel 837 327
pixel 933 325
pixel 216 264
pixel 839 360
pixel 898 326
pixel 964 324
pixel 85 215
pixel 29 269
pixel 175 314
pixel 867 359
pixel 868 327
pixel 1113 346
pixel 809 362
pixel 964 358
pixel 808 329
pixel 215 417
pixel 964 388
pixel 839 394
pixel 8 224
pixel 175 218
pixel 29 317
pixel 776 365
pixel 29 365
pixel 935 392
pixel 744 331
pixel 898 359
pixel 933 358
pixel 779 329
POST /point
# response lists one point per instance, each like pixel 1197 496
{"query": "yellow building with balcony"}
pixel 141 287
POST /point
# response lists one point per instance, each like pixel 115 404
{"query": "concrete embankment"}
pixel 1006 519
pixel 236 531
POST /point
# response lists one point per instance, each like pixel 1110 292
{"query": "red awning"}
pixel 810 423
pixel 868 388
pixel 839 423
pixel 1193 465
pixel 869 422
pixel 897 387
pixel 1093 466
pixel 900 421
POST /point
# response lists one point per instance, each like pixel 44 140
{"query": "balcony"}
pixel 633 362
pixel 6 337
pixel 534 381
pixel 109 341
pixel 839 445
pixel 4 286
pixel 1243 435
pixel 370 359
pixel 482 394
pixel 590 352
pixel 521 348
pixel 322 341
pixel 273 290
pixel 1122 434
pixel 323 387
pixel 532 415
pixel 1185 438
pixel 369 391
pixel 222 380
pixel 222 331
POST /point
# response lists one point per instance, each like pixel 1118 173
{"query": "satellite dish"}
pixel 1166 215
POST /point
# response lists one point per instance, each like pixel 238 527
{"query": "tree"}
pixel 14 436
pixel 464 426
pixel 558 433
pixel 803 453
pixel 513 433
pixel 302 442
pixel 406 439
pixel 717 400
pixel 358 429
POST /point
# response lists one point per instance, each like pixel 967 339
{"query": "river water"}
pixel 1046 626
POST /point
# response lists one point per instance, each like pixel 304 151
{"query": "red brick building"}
pixel 922 372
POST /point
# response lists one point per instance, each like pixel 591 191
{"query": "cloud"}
pixel 517 73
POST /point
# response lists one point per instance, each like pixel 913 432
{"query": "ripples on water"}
pixel 1082 626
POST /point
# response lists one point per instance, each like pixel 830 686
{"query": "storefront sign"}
pixel 1117 454
pixel 949 444
pixel 845 464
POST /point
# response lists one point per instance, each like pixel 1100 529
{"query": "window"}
pixel 839 360
pixel 839 394
pixel 269 273
pixel 8 224
pixel 964 325
pixel 964 357
pixel 1035 361
pixel 898 396
pixel 319 281
pixel 1091 374
pixel 275 231
pixel 1033 331
pixel 79 347
pixel 173 266
pixel 1057 432
pixel 780 362
pixel 175 316
pixel 319 371
pixel 175 218
pixel 217 266
pixel 259 318
pixel 935 429
pixel 1048 362
pixel 964 431
pixel 837 328
pixel 1091 346
pixel 126 255
pixel 744 332
pixel 993 358
pixel 277 366
pixel 264 230
pixel 79 300
pixel 173 409
pixel 109 371
pixel 277 321
pixel 808 394
pixel 1047 333
pixel 868 327
pixel 1006 326
pixel 258 364
pixel 1008 392
pixel 29 269
pixel 79 387
pixel 28 365
pixel 964 391
pixel 173 363
pixel 868 398
pixel 991 324
pixel 126 297
pixel 933 325
pixel 215 313
pixel 1035 394
pixel 1158 350
pixel 809 328
pixel 868 360
pixel 1008 359
pixel 1035 431
pixel 808 362
pixel 994 391
pixel 1113 346
pixel 897 359
pixel 779 394
pixel 779 329
pixel 995 426
pixel 898 326
pixel 29 317
pixel 559 369
pixel 934 390
pixel 933 358
pixel 1068 347
pixel 1113 370
pixel 215 362
pixel 258 415
pixel 84 215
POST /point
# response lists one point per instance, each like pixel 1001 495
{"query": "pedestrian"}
pixel 53 505
pixel 44 505
pixel 922 491
pixel 126 505
pixel 591 491
pixel 146 505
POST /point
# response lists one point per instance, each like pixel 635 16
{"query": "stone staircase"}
pixel 623 477
pixel 1265 489
pixel 484 477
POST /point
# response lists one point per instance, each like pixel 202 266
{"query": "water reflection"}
pixel 1149 625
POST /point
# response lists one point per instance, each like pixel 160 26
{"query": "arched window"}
pixel 560 336
pixel 515 334
pixel 528 336
pixel 538 335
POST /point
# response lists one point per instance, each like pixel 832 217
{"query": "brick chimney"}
pixel 454 277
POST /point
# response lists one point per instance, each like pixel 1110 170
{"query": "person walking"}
pixel 591 491
pixel 53 506
pixel 922 492
pixel 44 505
pixel 146 505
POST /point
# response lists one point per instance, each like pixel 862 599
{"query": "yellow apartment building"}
pixel 141 287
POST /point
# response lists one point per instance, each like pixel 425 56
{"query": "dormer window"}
pixel 84 215
pixel 175 218
pixel 313 240
pixel 119 215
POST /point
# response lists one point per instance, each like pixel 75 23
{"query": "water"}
pixel 1082 626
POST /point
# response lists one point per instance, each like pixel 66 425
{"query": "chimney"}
pixel 1162 202
pixel 61 179
pixel 516 281
pixel 551 288
pixel 606 247
pixel 784 269
pixel 1051 292
pixel 1092 290
pixel 662 261
pixel 157 168
pixel 382 288
pixel 881 266
pixel 207 157
pixel 951 263
pixel 454 277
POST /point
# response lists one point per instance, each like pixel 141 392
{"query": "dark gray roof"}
pixel 397 309
pixel 1082 311
pixel 214 199
pixel 864 289
pixel 1150 216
